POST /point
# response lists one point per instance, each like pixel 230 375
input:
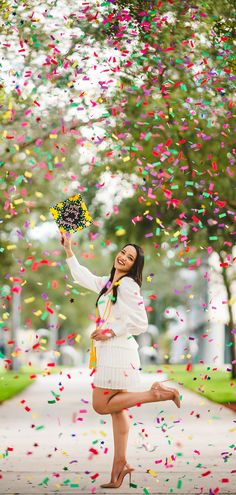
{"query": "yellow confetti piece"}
pixel 42 217
pixel 11 246
pixel 126 159
pixel 43 341
pixel 29 300
pixel 103 433
pixel 28 174
pixel 232 430
pixel 63 317
pixel 152 472
pixel 78 338
pixel 166 233
pixel 115 137
pixel 5 316
pixel 38 313
pixel 176 233
pixel 38 194
pixel 120 232
pixel 53 136
pixel 15 354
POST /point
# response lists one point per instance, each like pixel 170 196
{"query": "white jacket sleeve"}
pixel 84 277
pixel 131 308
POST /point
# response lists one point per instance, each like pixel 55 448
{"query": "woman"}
pixel 118 363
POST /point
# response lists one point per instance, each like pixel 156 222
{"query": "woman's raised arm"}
pixel 80 273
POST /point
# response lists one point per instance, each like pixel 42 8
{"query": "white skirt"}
pixel 117 368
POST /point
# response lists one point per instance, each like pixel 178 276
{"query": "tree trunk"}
pixel 231 319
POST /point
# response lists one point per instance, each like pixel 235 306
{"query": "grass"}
pixel 207 381
pixel 13 382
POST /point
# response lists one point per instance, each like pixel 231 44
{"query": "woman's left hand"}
pixel 102 334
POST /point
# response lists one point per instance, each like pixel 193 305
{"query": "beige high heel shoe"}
pixel 167 393
pixel 119 481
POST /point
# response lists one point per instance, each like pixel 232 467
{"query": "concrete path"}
pixel 63 446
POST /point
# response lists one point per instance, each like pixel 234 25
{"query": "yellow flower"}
pixel 79 228
pixel 75 197
pixel 87 216
pixel 83 205
pixel 55 213
pixel 59 205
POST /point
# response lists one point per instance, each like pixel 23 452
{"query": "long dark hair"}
pixel 135 273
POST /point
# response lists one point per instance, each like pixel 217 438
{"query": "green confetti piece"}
pixel 39 427
pixel 132 485
pixel 54 394
pixel 213 238
pixel 158 231
pixel 74 485
pixel 44 316
pixel 179 484
pixel 2 355
pixel 66 482
pixel 44 482
pixel 145 491
pixel 189 193
pixel 51 402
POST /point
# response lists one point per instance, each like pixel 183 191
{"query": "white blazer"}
pixel 127 317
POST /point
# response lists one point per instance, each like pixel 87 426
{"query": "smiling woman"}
pixel 118 363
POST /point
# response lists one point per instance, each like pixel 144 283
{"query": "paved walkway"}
pixel 65 447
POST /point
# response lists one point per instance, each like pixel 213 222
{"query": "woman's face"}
pixel 125 259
